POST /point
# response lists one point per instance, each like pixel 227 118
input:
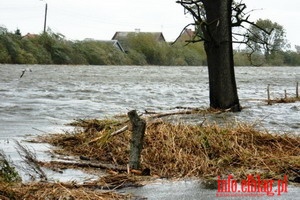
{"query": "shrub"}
pixel 8 173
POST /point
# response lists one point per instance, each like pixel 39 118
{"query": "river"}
pixel 49 96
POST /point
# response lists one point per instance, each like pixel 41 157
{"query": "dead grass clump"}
pixel 188 150
pixel 92 125
pixel 181 150
pixel 53 191
pixel 108 149
pixel 115 181
pixel 283 100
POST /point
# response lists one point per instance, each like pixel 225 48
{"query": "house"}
pixel 30 36
pixel 122 37
pixel 186 35
pixel 115 43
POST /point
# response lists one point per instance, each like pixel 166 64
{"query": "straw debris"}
pixel 11 187
pixel 53 191
pixel 181 150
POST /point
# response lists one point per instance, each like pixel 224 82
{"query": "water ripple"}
pixel 67 92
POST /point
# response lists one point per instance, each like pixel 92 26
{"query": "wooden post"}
pixel 45 20
pixel 137 136
pixel 285 94
pixel 268 92
pixel 297 90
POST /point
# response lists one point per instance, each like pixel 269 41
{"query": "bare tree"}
pixel 269 39
pixel 213 23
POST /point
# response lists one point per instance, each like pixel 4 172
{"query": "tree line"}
pixel 266 44
pixel 54 48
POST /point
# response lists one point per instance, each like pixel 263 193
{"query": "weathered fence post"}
pixel 297 90
pixel 285 95
pixel 268 93
pixel 137 136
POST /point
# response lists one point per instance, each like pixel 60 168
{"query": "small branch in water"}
pixel 122 130
pixel 84 164
pixel 39 130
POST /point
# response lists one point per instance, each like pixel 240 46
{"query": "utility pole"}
pixel 45 19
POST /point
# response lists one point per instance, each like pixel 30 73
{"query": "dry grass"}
pixel 188 151
pixel 54 191
pixel 283 100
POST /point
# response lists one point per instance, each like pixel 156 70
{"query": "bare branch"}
pixel 182 31
pixel 189 5
pixel 204 31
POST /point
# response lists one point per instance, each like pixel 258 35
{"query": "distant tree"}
pixel 13 46
pixel 241 58
pixel 291 58
pixel 269 39
pixel 146 44
pixel 297 47
pixel 3 30
pixel 18 32
pixel 4 55
pixel 59 48
pixel 137 58
pixel 31 45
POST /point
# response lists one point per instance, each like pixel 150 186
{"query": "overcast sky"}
pixel 100 19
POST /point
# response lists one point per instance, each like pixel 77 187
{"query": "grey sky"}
pixel 100 19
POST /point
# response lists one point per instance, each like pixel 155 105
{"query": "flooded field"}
pixel 47 97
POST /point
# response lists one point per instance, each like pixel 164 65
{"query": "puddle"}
pixel 194 190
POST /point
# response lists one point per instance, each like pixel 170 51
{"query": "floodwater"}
pixel 48 97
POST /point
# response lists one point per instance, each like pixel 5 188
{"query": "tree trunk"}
pixel 218 47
